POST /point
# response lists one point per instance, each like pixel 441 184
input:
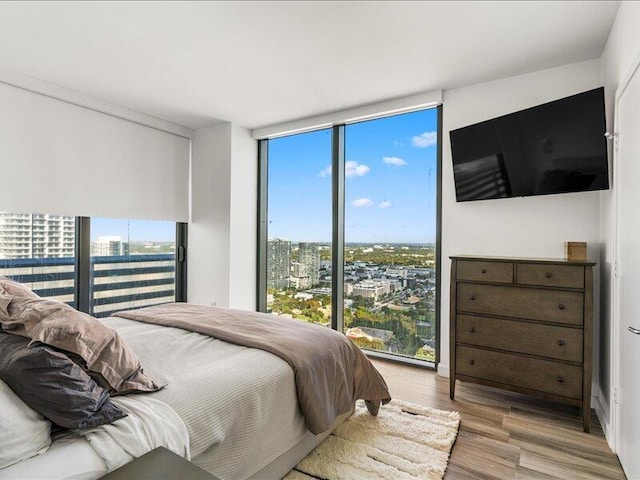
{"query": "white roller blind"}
pixel 60 158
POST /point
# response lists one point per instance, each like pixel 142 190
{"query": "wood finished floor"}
pixel 505 435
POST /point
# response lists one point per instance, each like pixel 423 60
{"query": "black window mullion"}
pixel 181 262
pixel 438 233
pixel 337 244
pixel 261 259
pixel 83 265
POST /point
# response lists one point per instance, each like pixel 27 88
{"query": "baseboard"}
pixel 443 370
pixel 604 415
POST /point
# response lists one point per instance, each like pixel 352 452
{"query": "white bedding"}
pixel 69 458
pixel 149 424
pixel 239 404
pixel 91 453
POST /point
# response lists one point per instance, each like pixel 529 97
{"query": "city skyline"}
pixel 133 230
pixel 391 181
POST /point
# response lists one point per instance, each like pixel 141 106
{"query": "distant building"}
pixel 109 246
pixel 309 255
pixel 300 277
pixel 371 289
pixel 397 272
pixel 278 263
pixel 28 235
pixel 409 282
pixel 303 296
pixel 348 289
pixel 320 291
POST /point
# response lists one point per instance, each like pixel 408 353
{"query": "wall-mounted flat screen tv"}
pixel 557 147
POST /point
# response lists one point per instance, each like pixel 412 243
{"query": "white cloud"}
pixel 326 172
pixel 397 161
pixel 385 204
pixel 362 202
pixel 424 140
pixel 351 169
pixel 355 169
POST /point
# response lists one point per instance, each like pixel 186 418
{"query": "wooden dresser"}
pixel 524 325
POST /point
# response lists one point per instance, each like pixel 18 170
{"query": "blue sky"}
pixel 135 230
pixel 390 186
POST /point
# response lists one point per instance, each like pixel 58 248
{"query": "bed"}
pixel 233 410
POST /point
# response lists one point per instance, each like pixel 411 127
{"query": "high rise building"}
pixel 109 246
pixel 278 263
pixel 29 235
pixel 300 278
pixel 309 255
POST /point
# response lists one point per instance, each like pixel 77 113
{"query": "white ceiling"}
pixel 262 63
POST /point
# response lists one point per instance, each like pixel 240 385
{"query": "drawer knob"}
pixel 472 297
pixel 472 362
pixel 548 274
pixel 560 379
pixel 484 270
pixel 561 306
pixel 561 343
pixel 471 329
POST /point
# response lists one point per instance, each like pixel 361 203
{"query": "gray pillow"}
pixel 52 385
pixel 59 325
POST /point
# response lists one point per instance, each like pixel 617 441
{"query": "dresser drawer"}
pixel 530 303
pixel 561 343
pixel 550 275
pixel 499 272
pixel 519 371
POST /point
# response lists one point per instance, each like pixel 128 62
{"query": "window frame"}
pixel 82 282
pixel 338 230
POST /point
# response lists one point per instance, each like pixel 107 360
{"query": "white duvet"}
pixel 89 454
pixel 239 404
pixel 232 409
pixel 149 424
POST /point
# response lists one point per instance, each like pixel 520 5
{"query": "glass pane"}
pixel 132 264
pixel 299 227
pixel 390 234
pixel 39 251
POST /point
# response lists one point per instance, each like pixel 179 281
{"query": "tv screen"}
pixel 557 147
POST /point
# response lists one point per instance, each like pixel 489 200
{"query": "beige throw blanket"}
pixel 331 372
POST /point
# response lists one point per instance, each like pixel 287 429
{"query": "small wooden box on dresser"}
pixel 523 325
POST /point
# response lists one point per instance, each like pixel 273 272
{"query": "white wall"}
pixel 208 250
pixel 522 227
pixel 622 49
pixel 223 229
pixel 243 220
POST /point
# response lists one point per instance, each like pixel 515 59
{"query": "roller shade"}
pixel 60 158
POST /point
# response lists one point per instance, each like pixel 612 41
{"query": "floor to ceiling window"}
pixel 350 219
pixel 390 234
pixel 298 253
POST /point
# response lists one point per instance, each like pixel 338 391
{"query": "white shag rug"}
pixel 405 441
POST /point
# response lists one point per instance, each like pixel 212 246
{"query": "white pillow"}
pixel 23 432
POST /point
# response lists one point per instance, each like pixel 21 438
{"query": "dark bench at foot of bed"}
pixel 160 464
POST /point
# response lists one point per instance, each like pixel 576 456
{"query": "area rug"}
pixel 405 441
